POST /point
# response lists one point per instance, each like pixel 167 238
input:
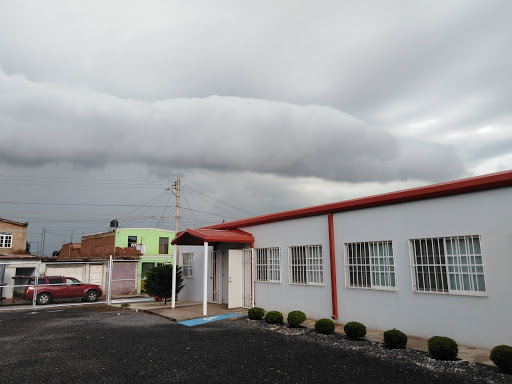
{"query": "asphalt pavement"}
pixel 100 344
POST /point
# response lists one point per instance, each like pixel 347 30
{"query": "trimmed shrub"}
pixel 296 318
pixel 325 326
pixel 256 313
pixel 354 330
pixel 395 339
pixel 274 317
pixel 442 348
pixel 501 355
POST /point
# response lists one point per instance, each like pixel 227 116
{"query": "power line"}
pixel 193 213
pixel 220 201
pixel 216 206
pixel 81 179
pixel 79 204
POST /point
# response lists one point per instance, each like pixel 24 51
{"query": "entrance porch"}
pixel 227 272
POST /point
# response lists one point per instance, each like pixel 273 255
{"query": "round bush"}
pixel 274 317
pixel 395 339
pixel 355 330
pixel 325 326
pixel 256 313
pixel 501 355
pixel 442 348
pixel 296 318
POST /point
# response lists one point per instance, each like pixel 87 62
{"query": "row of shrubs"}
pixel 439 347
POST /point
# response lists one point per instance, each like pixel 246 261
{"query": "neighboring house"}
pixel 14 260
pixel 134 251
pixel 13 237
pixel 154 244
pixel 88 260
pixel 433 260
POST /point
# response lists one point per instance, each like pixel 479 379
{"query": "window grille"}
pixel 268 265
pixel 306 265
pixel 188 264
pixel 448 265
pixel 370 265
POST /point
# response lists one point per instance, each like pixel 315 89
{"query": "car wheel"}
pixel 91 296
pixel 44 298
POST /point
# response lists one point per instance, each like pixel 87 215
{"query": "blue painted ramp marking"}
pixel 208 319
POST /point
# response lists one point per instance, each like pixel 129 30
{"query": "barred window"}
pixel 268 264
pixel 188 264
pixel 370 265
pixel 448 265
pixel 306 265
pixel 5 240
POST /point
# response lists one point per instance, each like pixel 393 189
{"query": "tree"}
pixel 159 281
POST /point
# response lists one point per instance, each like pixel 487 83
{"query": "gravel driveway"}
pixel 104 345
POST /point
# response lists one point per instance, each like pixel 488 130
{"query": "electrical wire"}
pixel 219 200
pixel 216 206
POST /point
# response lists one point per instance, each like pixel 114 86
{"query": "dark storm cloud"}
pixel 215 133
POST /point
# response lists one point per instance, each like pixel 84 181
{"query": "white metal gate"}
pixel 215 291
pixel 247 278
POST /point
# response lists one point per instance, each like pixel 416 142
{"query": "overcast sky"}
pixel 258 106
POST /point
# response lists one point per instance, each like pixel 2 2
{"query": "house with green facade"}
pixel 154 244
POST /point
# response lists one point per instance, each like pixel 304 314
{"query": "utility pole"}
pixel 43 236
pixel 177 187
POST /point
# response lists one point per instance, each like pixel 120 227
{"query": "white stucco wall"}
pixel 470 320
pixel 193 290
pixel 315 301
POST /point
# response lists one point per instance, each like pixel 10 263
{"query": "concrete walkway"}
pixel 188 311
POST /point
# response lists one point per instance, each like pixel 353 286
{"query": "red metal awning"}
pixel 199 236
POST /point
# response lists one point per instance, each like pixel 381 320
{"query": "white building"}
pixel 434 260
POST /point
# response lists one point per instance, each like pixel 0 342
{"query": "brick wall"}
pixel 97 247
pixel 70 251
pixel 19 238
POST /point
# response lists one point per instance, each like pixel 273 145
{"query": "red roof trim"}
pixel 198 236
pixel 473 184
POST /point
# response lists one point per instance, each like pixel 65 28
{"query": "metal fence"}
pixel 23 282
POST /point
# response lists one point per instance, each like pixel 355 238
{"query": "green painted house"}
pixel 154 244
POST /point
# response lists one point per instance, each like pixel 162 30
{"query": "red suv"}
pixel 60 287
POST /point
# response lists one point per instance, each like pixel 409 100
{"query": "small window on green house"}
pixel 132 241
pixel 163 245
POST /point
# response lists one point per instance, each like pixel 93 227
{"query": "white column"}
pixel 205 279
pixel 252 278
pixel 173 299
pixel 109 281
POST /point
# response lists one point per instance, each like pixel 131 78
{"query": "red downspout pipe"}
pixel 332 252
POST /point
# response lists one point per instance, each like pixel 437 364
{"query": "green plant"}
pixel 159 281
pixel 354 330
pixel 325 326
pixel 395 339
pixel 255 313
pixel 501 355
pixel 296 318
pixel 274 317
pixel 125 305
pixel 442 348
